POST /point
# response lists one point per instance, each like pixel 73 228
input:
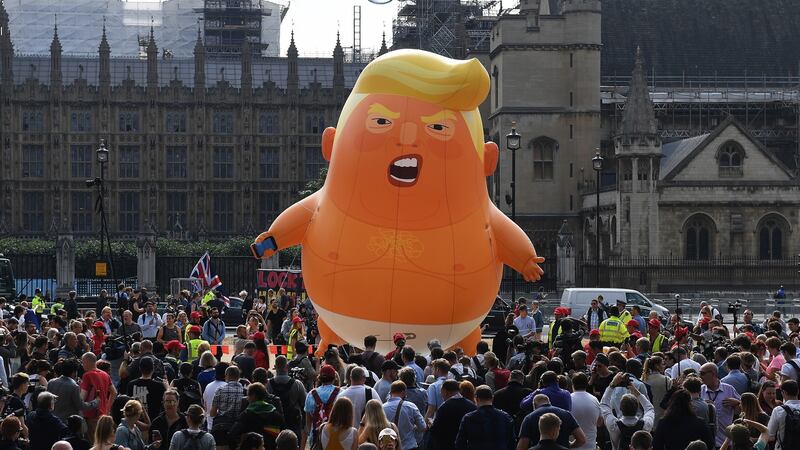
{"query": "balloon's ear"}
pixel 327 143
pixel 490 155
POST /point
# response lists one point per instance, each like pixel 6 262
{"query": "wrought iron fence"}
pixel 236 272
pixel 682 275
pixel 32 272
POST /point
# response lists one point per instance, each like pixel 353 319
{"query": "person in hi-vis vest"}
pixel 193 343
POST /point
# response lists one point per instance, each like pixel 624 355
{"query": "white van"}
pixel 579 300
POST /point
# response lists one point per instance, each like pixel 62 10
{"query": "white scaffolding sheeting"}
pixel 80 23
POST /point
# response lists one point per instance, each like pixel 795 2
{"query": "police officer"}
pixel 37 304
pixel 624 315
pixel 613 331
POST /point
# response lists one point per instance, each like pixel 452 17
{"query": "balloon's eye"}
pixel 437 127
pixel 382 121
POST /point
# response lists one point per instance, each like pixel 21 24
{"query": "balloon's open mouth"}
pixel 404 171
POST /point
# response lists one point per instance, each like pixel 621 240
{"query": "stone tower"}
pixel 545 75
pixel 637 151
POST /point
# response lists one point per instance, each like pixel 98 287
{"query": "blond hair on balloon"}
pixel 453 84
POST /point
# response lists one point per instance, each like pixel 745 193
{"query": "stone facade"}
pixel 702 201
pixel 200 147
pixel 544 64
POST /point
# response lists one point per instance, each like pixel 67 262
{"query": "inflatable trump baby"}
pixel 403 236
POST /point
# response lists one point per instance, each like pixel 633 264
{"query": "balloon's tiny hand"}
pixel 532 272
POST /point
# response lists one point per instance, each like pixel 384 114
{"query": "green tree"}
pixel 315 184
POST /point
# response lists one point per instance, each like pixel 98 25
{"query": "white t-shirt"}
pixel 208 398
pixel 789 370
pixel 346 438
pixel 682 365
pixel 357 395
pixel 586 410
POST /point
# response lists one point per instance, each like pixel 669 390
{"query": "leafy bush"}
pixel 237 246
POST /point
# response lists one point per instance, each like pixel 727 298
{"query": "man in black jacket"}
pixel 509 398
pixel 48 428
pixel 449 415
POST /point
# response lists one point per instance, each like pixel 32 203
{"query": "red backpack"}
pixel 501 377
pixel 322 411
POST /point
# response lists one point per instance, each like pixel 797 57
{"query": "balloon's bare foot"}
pixel 327 337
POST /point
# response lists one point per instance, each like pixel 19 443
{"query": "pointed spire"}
pixel 151 44
pixel 199 65
pixel 639 116
pixel 384 49
pixel 292 51
pixel 104 51
pixel 55 45
pixel 152 60
pixel 55 58
pixel 104 47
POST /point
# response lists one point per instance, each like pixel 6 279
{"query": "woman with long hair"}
pixel 104 433
pixel 128 433
pixel 373 422
pixel 653 375
pixel 680 426
pixel 262 352
pixel 338 433
pixel 752 411
pixel 767 397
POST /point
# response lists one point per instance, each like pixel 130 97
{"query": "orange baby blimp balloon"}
pixel 403 236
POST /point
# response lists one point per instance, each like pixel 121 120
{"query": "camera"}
pixel 733 308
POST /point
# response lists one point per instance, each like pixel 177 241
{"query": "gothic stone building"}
pixel 199 147
pixel 717 197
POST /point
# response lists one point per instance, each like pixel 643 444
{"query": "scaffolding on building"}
pixel 174 22
pixel 688 106
pixel 447 27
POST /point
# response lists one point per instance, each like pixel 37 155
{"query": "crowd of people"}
pixel 130 375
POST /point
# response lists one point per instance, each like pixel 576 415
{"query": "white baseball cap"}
pixel 387 432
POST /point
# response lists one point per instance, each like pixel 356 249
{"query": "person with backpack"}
pixel 301 367
pixel 193 438
pixel 622 429
pixel 371 359
pixel 318 404
pixel 189 392
pixel 359 393
pixel 784 423
pixel 405 416
pixel 496 377
pixel 291 392
pixel 260 417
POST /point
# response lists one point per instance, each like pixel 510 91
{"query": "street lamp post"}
pixel 512 143
pixel 102 155
pixel 597 165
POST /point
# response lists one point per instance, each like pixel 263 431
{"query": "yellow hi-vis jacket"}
pixel 613 331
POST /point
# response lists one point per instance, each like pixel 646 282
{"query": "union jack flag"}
pixel 202 272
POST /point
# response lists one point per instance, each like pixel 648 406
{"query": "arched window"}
pixel 698 237
pixel 544 155
pixel 730 158
pixel 772 232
